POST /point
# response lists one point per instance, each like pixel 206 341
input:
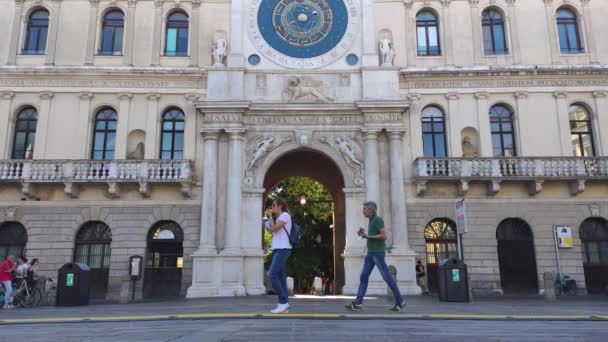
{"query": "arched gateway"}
pixel 249 149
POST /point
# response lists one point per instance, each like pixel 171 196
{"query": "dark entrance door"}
pixel 93 247
pixel 594 237
pixel 440 238
pixel 164 261
pixel 516 258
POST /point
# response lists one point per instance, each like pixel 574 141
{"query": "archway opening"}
pixel 164 260
pixel 440 242
pixel 315 176
pixel 594 238
pixel 516 257
pixel 13 239
pixel 93 247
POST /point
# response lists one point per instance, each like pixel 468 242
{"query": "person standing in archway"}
pixel 281 249
pixel 376 250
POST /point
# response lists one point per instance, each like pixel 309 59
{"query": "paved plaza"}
pixel 315 319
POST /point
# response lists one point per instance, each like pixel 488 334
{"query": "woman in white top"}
pixel 281 249
pixel 22 267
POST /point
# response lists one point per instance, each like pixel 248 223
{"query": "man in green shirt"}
pixel 376 250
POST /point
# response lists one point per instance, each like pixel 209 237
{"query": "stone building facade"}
pixel 181 115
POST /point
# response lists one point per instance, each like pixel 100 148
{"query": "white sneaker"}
pixel 8 306
pixel 281 308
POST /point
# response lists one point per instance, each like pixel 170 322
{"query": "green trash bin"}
pixel 453 281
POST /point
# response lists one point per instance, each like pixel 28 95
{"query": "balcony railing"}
pixel 112 172
pixel 494 170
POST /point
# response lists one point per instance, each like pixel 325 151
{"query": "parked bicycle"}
pixel 23 295
pixel 564 285
pixel 50 292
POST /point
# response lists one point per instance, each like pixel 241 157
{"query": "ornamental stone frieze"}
pixel 258 148
pixel 350 150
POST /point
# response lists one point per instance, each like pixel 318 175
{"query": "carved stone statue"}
pixel 303 89
pixel 260 148
pixel 387 53
pixel 219 51
pixel 138 152
pixel 349 149
pixel 468 149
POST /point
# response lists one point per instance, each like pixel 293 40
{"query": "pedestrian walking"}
pixel 376 250
pixel 281 250
pixel 6 277
pixel 421 277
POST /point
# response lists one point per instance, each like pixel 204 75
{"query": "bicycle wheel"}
pixel 36 297
pixel 50 298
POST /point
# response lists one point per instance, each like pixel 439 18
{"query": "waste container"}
pixel 453 281
pixel 73 282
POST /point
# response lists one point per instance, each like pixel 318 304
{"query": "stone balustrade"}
pixel 534 170
pixel 113 172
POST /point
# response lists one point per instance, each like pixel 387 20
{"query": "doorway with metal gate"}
pixel 13 238
pixel 516 257
pixel 93 247
pixel 440 241
pixel 164 261
pixel 594 238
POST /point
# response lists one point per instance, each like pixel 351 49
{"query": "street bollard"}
pixel 290 286
pixel 318 286
pixel 393 270
pixel 549 280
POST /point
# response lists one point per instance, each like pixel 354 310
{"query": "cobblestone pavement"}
pixel 311 330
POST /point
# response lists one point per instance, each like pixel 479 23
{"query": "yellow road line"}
pixel 298 315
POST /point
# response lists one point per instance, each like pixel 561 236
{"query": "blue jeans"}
pixel 277 274
pixel 8 290
pixel 377 259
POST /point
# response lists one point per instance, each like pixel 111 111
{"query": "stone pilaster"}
pixel 476 29
pixel 398 209
pixel 194 32
pixel 483 122
pixel 452 124
pixel 563 123
pixel 601 105
pixel 44 109
pixel 513 31
pixel 236 57
pixel 552 31
pixel 6 100
pixel 84 120
pixel 90 49
pixel 130 32
pixel 15 32
pixel 190 127
pixel 591 33
pixel 370 54
pixel 520 109
pixel 209 195
pixel 122 126
pixel 233 192
pixel 372 166
pixel 447 32
pixel 153 122
pixel 410 35
pixel 51 45
pixel 157 34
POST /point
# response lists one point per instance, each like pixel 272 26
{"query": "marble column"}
pixel 372 172
pixel 6 99
pixel 601 120
pixel 513 31
pixel 84 128
pixel 153 122
pixel 591 33
pixel 209 195
pixel 156 36
pixel 236 57
pixel 44 109
pixel 122 126
pixel 233 192
pixel 563 123
pixel 483 123
pixel 398 207
pixel 551 31
pixel 130 32
pixel 194 32
pixel 90 51
pixel 15 33
pixel 370 54
pixel 476 32
pixel 51 45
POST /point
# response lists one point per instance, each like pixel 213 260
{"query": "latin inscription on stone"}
pixel 507 84
pixel 96 83
pixel 303 120
pixel 382 117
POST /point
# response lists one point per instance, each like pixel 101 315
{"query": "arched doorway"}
pixel 93 247
pixel 440 239
pixel 594 238
pixel 13 239
pixel 516 257
pixel 317 166
pixel 164 260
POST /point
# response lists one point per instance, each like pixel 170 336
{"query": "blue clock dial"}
pixel 302 28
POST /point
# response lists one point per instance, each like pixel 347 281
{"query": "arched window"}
pixel 440 242
pixel 433 132
pixel 427 33
pixel 494 39
pixel 580 131
pixel 35 36
pixel 164 260
pixel 112 33
pixel 567 29
pixel 503 136
pixel 594 237
pixel 172 139
pixel 176 38
pixel 104 134
pixel 25 133
pixel 93 248
pixel 13 238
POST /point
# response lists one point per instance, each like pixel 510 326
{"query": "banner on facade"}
pixel 461 217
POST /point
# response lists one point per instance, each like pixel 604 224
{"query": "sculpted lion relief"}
pixel 305 89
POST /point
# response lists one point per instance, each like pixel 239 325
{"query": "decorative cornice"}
pixel 560 95
pixel 196 4
pixel 47 95
pixel 482 96
pixel 510 3
pixel 445 3
pixel 548 2
pixel 474 3
pixel 158 3
pixel 408 3
pixel 85 96
pixel 125 96
pixel 520 95
pixel 600 94
pixel 7 95
pixel 452 96
pixel 585 2
pixel 153 97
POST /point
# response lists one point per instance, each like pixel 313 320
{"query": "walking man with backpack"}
pixel 376 250
pixel 281 249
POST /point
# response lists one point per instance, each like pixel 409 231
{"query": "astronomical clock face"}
pixel 303 34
